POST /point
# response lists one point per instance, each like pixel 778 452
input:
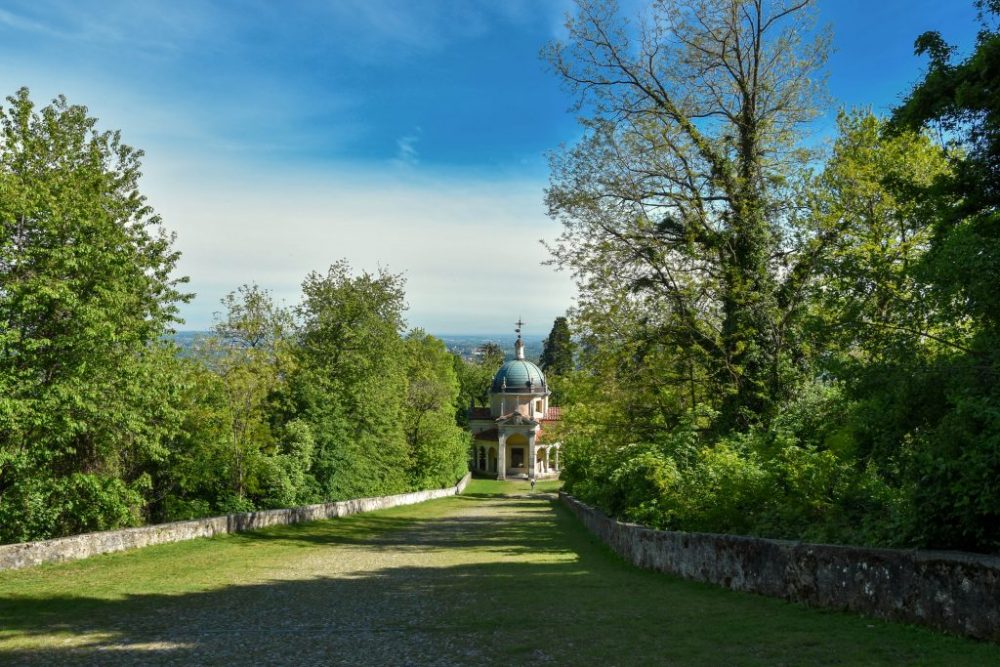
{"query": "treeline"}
pixel 103 424
pixel 776 337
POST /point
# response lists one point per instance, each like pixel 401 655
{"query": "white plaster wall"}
pixel 501 404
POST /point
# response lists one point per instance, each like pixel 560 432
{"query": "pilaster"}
pixel 502 458
pixel 532 471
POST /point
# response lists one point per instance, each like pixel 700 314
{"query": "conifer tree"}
pixel 557 350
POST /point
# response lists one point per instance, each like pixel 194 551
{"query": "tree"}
pixel 251 352
pixel 961 100
pixel 870 323
pixel 491 356
pixel 867 294
pixel 557 358
pixel 438 447
pixel 87 290
pixel 557 350
pixel 955 436
pixel 474 378
pixel 191 479
pixel 678 192
pixel 350 383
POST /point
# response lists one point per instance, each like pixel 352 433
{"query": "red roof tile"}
pixel 554 414
pixel 489 434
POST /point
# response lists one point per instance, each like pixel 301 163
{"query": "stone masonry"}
pixel 951 591
pixel 28 554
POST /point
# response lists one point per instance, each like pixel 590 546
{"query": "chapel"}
pixel 509 436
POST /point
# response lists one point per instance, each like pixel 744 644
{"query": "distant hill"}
pixel 465 345
pixel 462 344
pixel 188 340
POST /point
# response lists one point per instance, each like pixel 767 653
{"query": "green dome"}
pixel 514 376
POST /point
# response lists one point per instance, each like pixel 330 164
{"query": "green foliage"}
pixel 558 358
pixel 882 427
pixel 491 356
pixel 286 477
pixel 870 233
pixel 753 484
pixel 675 201
pixel 104 425
pixel 190 480
pixel 557 351
pixel 474 379
pixel 438 446
pixel 951 449
pixel 815 471
pixel 251 353
pixel 86 292
pixel 350 383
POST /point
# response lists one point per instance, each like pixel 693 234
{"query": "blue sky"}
pixel 282 136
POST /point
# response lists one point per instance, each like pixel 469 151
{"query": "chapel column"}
pixel 532 472
pixel 502 458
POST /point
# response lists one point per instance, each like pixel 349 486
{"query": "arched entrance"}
pixel 517 454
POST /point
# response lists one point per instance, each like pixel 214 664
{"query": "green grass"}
pixel 509 487
pixel 493 577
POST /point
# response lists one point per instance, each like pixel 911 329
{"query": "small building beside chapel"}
pixel 510 436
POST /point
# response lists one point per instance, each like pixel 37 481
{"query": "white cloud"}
pixel 221 126
pixel 469 248
pixel 18 22
pixel 406 150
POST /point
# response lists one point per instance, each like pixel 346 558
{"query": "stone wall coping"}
pixel 954 591
pixel 921 555
pixel 84 545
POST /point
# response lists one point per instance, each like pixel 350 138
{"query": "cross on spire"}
pixel 519 324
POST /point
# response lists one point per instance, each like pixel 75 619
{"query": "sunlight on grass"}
pixel 455 581
pixel 490 487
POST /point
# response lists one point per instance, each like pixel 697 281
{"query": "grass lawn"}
pixel 510 487
pixel 497 576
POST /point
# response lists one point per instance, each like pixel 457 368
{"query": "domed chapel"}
pixel 510 435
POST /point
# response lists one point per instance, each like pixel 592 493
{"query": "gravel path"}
pixel 471 580
pixel 400 598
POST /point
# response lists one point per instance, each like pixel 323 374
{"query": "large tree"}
pixel 678 194
pixel 867 297
pixel 252 352
pixel 557 351
pixel 87 290
pixel 438 446
pixel 350 382
pixel 474 378
pixel 952 412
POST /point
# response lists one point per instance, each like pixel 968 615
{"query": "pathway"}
pixel 474 580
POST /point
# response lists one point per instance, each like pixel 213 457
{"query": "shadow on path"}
pixel 508 581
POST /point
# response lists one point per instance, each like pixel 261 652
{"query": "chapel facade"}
pixel 509 436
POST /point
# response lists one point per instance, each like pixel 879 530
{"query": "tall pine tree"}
pixel 557 351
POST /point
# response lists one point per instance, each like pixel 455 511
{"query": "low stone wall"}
pixel 27 554
pixel 951 591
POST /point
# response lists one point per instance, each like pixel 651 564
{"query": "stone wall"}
pixel 951 591
pixel 27 554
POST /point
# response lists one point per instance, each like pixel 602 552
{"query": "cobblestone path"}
pixel 473 580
